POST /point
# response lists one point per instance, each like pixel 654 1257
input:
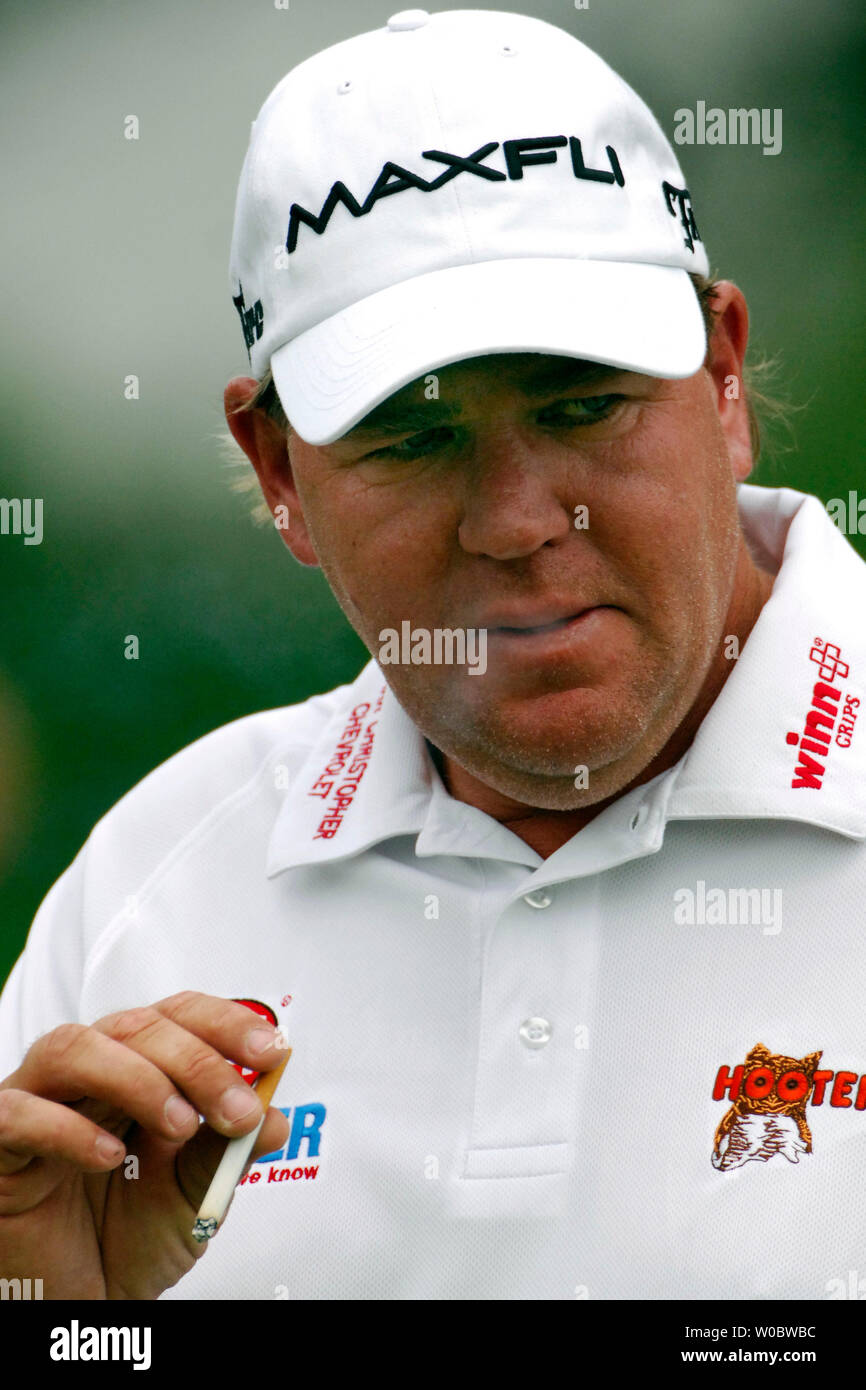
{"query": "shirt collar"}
pixel 366 778
pixel 743 761
pixel 370 776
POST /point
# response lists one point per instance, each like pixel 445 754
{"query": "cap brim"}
pixel 644 318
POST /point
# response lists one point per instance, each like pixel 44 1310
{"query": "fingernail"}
pixel 110 1149
pixel 178 1113
pixel 260 1039
pixel 237 1103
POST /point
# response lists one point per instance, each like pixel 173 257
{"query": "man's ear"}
pixel 726 353
pixel 267 449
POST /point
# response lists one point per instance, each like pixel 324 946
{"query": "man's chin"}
pixel 529 782
pixel 549 746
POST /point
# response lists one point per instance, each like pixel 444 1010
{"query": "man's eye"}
pixel 585 410
pixel 417 445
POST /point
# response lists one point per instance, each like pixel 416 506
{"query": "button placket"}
pixel 537 975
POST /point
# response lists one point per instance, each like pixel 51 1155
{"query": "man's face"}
pixel 459 512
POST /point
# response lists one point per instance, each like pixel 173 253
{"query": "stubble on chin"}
pixel 534 755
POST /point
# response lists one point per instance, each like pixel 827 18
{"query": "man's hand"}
pixel 68 1213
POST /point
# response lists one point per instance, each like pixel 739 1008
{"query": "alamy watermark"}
pixel 24 1289
pixel 737 126
pixel 439 646
pixel 22 516
pixel 852 1287
pixel 850 518
pixel 701 906
pixel 77 1343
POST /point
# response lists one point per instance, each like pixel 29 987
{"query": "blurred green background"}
pixel 115 261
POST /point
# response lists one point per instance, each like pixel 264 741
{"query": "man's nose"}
pixel 512 500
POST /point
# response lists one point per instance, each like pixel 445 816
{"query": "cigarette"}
pixel 231 1166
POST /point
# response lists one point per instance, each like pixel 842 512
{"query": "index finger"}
pixel 231 1028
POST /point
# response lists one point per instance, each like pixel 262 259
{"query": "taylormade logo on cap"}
pixel 449 186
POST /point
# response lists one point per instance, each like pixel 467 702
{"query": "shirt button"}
pixel 408 19
pixel 535 1032
pixel 538 898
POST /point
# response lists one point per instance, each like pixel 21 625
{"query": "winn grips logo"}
pixel 769 1094
pixel 829 720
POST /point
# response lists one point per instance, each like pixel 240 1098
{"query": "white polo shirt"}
pixel 502 1082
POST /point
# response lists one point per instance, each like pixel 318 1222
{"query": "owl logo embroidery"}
pixel 768 1115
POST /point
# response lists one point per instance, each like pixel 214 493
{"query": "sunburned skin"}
pixel 606 643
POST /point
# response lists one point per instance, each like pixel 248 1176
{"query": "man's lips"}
pixel 584 634
pixel 540 623
pixel 542 628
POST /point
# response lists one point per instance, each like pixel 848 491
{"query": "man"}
pixel 560 900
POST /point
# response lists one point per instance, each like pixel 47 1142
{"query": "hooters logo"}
pixel 768 1115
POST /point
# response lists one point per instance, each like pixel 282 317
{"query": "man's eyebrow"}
pixel 395 416
pixel 399 417
pixel 567 373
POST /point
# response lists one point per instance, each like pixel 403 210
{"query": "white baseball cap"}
pixel 449 186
